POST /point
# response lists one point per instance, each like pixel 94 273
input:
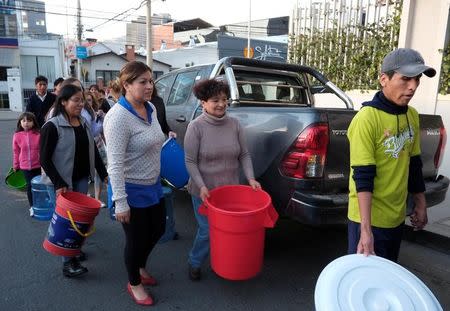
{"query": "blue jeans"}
pixel 81 185
pixel 200 249
pixel 169 232
pixel 386 240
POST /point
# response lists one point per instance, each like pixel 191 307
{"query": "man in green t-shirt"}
pixel 385 160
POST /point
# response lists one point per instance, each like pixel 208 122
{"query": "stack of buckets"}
pixel 238 216
pixel 71 223
pixel 44 199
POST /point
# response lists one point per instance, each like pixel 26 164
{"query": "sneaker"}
pixel 102 204
pixel 195 274
pixel 73 268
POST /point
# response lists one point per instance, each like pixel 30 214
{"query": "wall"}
pixel 113 62
pixel 423 27
pixel 43 48
pixel 102 62
pixel 164 32
pixel 178 58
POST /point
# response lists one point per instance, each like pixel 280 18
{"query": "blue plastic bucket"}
pixel 43 199
pixel 173 167
pixel 110 203
pixel 71 223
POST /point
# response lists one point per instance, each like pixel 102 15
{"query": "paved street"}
pixel 294 257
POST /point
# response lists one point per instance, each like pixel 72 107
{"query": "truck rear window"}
pixel 263 88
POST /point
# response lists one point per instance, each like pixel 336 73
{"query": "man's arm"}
pixel 364 181
pixel 365 245
pixel 419 217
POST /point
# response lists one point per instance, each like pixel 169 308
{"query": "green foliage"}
pixel 444 82
pixel 349 56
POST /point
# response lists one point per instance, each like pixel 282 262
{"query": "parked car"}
pixel 300 152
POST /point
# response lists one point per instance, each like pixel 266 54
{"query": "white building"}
pixel 104 63
pixel 204 53
pixel 41 57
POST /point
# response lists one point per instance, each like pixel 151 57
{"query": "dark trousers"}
pixel 146 227
pixel 29 174
pixel 386 240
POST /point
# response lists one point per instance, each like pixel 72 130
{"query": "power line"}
pixel 122 13
pixel 57 13
pixel 69 7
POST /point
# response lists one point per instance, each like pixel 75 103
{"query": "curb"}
pixel 428 239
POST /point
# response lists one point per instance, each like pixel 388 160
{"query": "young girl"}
pixel 26 149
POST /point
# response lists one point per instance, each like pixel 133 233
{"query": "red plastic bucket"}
pixel 238 216
pixel 71 223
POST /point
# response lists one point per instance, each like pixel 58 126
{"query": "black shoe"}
pixel 176 236
pixel 82 256
pixel 195 274
pixel 73 268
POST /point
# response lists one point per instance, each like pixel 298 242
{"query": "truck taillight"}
pixel 439 155
pixel 305 158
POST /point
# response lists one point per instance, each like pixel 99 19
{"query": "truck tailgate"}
pixel 337 166
pixel 429 141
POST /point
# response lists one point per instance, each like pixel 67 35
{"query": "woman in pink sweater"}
pixel 25 147
pixel 215 148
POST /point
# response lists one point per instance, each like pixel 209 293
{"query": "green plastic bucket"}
pixel 16 180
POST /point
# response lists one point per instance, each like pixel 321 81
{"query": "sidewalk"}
pixel 436 233
pixel 7 115
pixel 437 230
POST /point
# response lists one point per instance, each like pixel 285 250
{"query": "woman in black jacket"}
pixel 68 154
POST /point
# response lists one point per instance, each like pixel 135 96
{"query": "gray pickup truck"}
pixel 300 152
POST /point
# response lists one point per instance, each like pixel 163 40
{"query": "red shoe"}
pixel 151 281
pixel 143 302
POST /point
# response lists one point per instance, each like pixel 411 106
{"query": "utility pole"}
pixel 79 33
pixel 249 28
pixel 149 34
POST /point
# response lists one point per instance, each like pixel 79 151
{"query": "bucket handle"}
pixel 76 228
pixel 271 217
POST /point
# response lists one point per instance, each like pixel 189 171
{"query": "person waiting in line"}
pixel 114 91
pixel 40 102
pixel 57 85
pixel 25 145
pixel 99 141
pixel 158 102
pixel 103 103
pixel 214 149
pixel 68 154
pixel 385 162
pixel 134 139
pixel 161 115
pixel 93 88
pixel 87 112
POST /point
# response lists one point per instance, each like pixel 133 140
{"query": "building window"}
pixel 157 74
pixel 3 73
pixel 107 75
pixel 4 101
pixel 33 66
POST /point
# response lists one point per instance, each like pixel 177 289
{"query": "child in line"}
pixel 26 149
